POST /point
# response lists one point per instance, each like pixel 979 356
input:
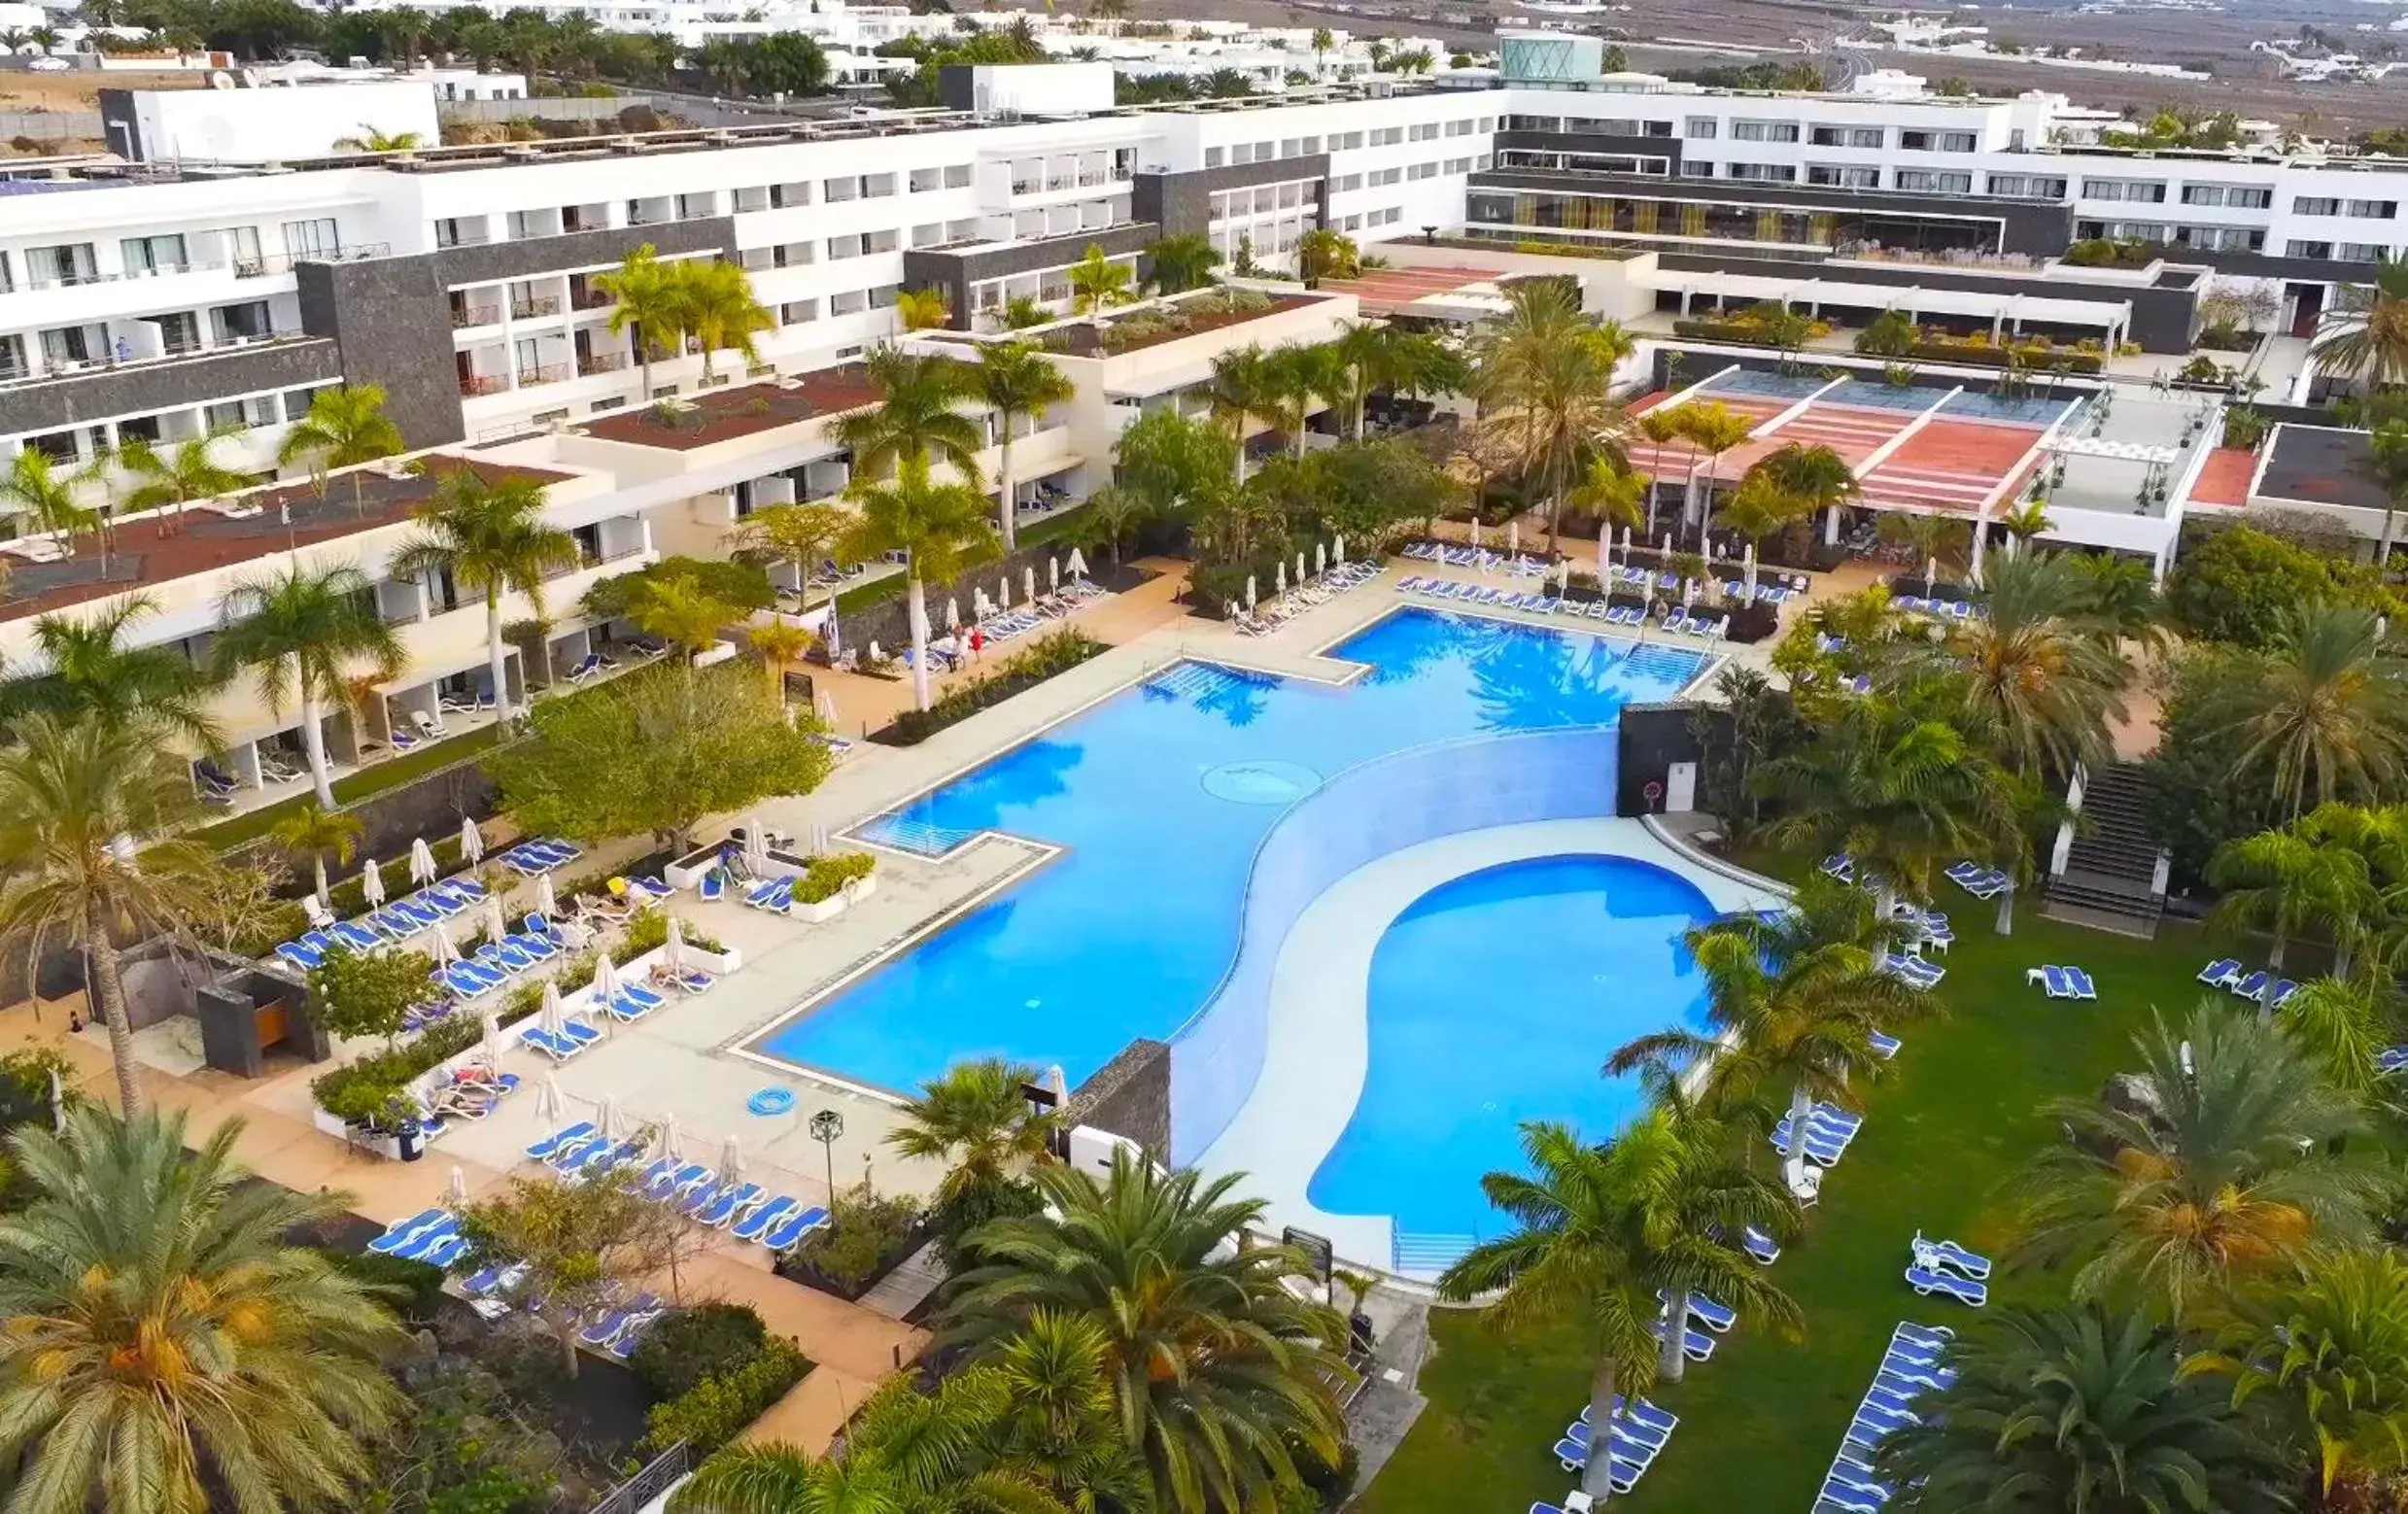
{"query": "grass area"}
pixel 1963 1108
pixel 375 778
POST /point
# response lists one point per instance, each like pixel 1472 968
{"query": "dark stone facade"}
pixel 1182 203
pixel 177 383
pixel 1651 738
pixel 431 806
pixel 1129 1096
pixel 956 271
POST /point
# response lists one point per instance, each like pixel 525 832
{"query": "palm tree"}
pixel 2319 710
pixel 2366 336
pixel 1712 428
pixel 2220 1180
pixel 1115 512
pixel 367 139
pixel 799 536
pixel 1183 262
pixel 346 425
pixel 1022 311
pixel 1762 506
pixel 2023 522
pixel 716 299
pixel 71 792
pixel 1299 375
pixel 2331 1347
pixel 491 538
pixel 2120 598
pixel 1323 41
pixel 779 644
pixel 1904 795
pixel 1220 1373
pixel 91 672
pixel 1245 387
pixel 919 414
pixel 1610 492
pixel 940 529
pixel 1059 1418
pixel 1929 539
pixel 1016 379
pixel 1546 371
pixel 1096 280
pixel 2036 666
pixel 159 1325
pixel 318 832
pixel 921 310
pixel 45 500
pixel 1388 357
pixel 182 476
pixel 2290 881
pixel 1326 254
pixel 649 295
pixel 1816 476
pixel 975 1121
pixel 2079 1408
pixel 298 631
pixel 1793 1006
pixel 1603 1230
pixel 2340 1024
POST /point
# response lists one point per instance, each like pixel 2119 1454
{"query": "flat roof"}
pixel 738 410
pixel 2321 464
pixel 1384 291
pixel 2226 477
pixel 159 549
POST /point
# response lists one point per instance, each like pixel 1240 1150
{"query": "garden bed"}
pixel 1055 652
pixel 802 1263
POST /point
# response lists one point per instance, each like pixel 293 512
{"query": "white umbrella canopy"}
pixel 1249 593
pixel 1564 577
pixel 1931 575
pixel 1279 580
pixel 605 980
pixel 1688 593
pixel 1320 559
pixel 1078 564
pixel 756 838
pixel 472 842
pixel 1747 569
pixel 372 884
pixel 548 1100
pixel 825 703
pixel 673 950
pixel 547 1014
pixel 875 655
pixel 1054 575
pixel 456 1189
pixel 730 1160
pixel 610 1118
pixel 1475 531
pixel 423 869
pixel 952 611
pixel 1513 538
pixel 1300 567
pixel 1028 582
pixel 1003 592
pixel 439 946
pixel 546 903
pixel 1337 549
pixel 493 1043
pixel 497 924
pixel 664 1139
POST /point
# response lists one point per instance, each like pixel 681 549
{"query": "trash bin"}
pixel 412 1140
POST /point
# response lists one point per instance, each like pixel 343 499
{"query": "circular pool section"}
pixel 1494 999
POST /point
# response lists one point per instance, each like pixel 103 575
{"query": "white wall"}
pixel 267 126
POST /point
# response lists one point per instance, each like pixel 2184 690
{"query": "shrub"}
pixel 413 1288
pixel 1891 335
pixel 648 930
pixel 826 876
pixel 862 1230
pixel 2246 428
pixel 693 1344
pixel 714 1410
pixel 1048 654
pixel 363 1091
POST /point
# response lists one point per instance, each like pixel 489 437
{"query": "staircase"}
pixel 2108 876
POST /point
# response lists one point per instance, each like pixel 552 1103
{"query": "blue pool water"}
pixel 1496 999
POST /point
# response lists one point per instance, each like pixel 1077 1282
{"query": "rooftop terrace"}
pixel 739 410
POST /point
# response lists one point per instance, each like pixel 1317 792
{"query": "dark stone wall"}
pixel 389 319
pixel 140 389
pixel 431 806
pixel 229 1029
pixel 1129 1096
pixel 954 272
pixel 1182 202
pixel 1651 738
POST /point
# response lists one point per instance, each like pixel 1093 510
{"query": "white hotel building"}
pixel 168 299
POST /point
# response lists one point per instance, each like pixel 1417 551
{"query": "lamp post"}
pixel 825 1127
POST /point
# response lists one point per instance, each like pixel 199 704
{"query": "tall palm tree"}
pixel 160 1325
pixel 1183 262
pixel 318 832
pixel 1058 1417
pixel 975 1121
pixel 2224 1179
pixel 491 539
pixel 2329 1348
pixel 346 425
pixel 1611 492
pixel 1661 427
pixel 1376 356
pixel 1325 252
pixel 779 644
pixel 716 299
pixel 648 294
pixel 1711 429
pixel 1792 1007
pixel 2366 335
pixel 71 793
pixel 2342 1025
pixel 2023 522
pixel 178 477
pixel 1221 1374
pixel 1903 794
pixel 1762 506
pixel 2079 1408
pixel 920 413
pixel 1817 475
pixel 89 669
pixel 940 529
pixel 1016 379
pixel 2319 712
pixel 1602 1229
pixel 2035 666
pixel 1546 371
pixel 1299 375
pixel 1097 282
pixel 1245 387
pixel 45 497
pixel 1929 539
pixel 2287 883
pixel 299 632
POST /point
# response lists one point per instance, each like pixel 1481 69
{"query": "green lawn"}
pixel 353 787
pixel 1961 1109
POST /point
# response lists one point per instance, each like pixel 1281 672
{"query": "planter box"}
pixel 328 1123
pixel 825 909
pixel 799 1270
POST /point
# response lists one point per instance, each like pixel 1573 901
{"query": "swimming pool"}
pixel 1158 799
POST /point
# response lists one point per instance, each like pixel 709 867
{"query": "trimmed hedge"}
pixel 716 1409
pixel 2038 357
pixel 826 876
pixel 362 1091
pixel 1056 652
pixel 693 1344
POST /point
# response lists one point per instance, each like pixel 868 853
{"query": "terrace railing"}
pixel 661 1474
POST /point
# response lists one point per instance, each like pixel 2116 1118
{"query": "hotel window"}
pixel 1692 168
pixel 1698 128
pixel 2233 196
pixel 2373 210
pixel 1345 141
pixel 884 241
pixel 2220 239
pixel 1388 136
pixel 2298 248
pixel 1840 176
pixel 1763 131
pixel 787 197
pixel 957 176
pixel 2362 251
pixel 1423 131
pixel 843 247
pixel 1424 171
pixel 923 179
pixel 1345 181
pixel 1215 156
pixel 1459 128
pixel 837 191
pixel 153 254
pixel 1761 173
pixel 1848 136
pixel 1534 123
pixel 1387 176
pixel 2026 187
pixel 2314 205
pixel 1458 165
pixel 1924 180
pixel 312 238
pixel 13 356
pixel 2148 192
pixel 1312 146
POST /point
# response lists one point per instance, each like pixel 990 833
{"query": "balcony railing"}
pixel 546 373
pixel 466 316
pixel 476 384
pixel 532 309
pixel 285 263
pixel 602 363
pixel 67 367
pixel 590 299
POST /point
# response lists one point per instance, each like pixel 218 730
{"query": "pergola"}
pixel 2005 312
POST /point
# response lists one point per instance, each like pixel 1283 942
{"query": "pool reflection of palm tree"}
pixel 1236 699
pixel 1038 770
pixel 1529 682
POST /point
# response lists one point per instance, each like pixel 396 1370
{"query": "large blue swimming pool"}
pixel 1159 798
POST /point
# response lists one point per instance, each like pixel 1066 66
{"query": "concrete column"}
pixel 1831 526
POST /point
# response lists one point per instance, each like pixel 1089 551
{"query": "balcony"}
pixel 590 299
pixel 175 351
pixel 466 316
pixel 474 384
pixel 285 263
pixel 547 373
pixel 594 363
pixel 534 309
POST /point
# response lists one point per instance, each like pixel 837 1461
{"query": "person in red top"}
pixel 978 641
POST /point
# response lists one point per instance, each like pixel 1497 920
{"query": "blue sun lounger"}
pixel 1965 1290
pixel 424 1239
pixel 1695 1345
pixel 1759 1246
pixel 1629 1442
pixel 559 1048
pixel 542 1150
pixel 2052 980
pixel 1950 1256
pixel 764 1217
pixel 402 1232
pixel 730 1203
pixel 2222 973
pixel 793 1229
pixel 1883 1046
pixel 2255 984
pixel 1713 1315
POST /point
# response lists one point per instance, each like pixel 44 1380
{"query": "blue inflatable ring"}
pixel 771 1101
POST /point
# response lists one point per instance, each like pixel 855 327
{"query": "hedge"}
pixel 360 1090
pixel 1990 355
pixel 693 1344
pixel 715 1410
pixel 1056 652
pixel 826 876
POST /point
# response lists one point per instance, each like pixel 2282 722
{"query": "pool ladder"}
pixel 1413 1252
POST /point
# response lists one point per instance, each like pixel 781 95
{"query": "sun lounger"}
pixel 569 1155
pixel 764 1217
pixel 2392 1059
pixel 1695 1344
pixel 1884 1046
pixel 1838 865
pixel 582 1130
pixel 1627 1442
pixel 2254 985
pixel 1713 1315
pixel 1934 1336
pixel 651 1177
pixel 2282 991
pixel 791 1230
pixel 402 1232
pixel 2222 973
pixel 2052 980
pixel 424 1239
pixel 1906 1379
pixel 1846 1499
pixel 730 1203
pixel 559 1048
pixel 2078 986
pixel 1759 1246
pixel 1949 1254
pixel 1965 1290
